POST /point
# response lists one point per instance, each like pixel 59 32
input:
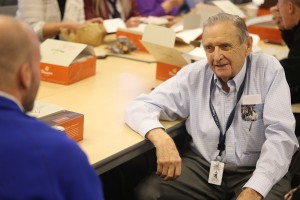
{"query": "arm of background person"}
pixel 33 13
pixel 153 8
pixel 291 64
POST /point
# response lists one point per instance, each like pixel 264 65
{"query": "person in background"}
pixel 228 157
pixel 37 161
pixel 286 14
pixel 47 17
pixel 159 8
pixel 108 9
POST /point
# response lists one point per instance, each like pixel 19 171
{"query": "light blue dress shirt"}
pixel 270 142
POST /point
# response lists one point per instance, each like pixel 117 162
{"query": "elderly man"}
pixel 286 15
pixel 229 157
pixel 36 162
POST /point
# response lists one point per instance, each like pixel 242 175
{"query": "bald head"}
pixel 19 61
pixel 15 47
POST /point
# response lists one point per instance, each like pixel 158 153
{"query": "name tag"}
pixel 216 172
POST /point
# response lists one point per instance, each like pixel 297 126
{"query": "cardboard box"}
pixel 169 60
pixel 72 122
pixel 66 62
pixel 264 26
pixel 134 36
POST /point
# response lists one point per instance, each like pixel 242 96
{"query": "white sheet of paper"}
pixel 259 20
pixel 42 109
pixel 198 52
pixel 112 25
pixel 230 8
pixel 189 35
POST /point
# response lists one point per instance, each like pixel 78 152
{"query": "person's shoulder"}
pixel 195 67
pixel 47 139
pixel 266 61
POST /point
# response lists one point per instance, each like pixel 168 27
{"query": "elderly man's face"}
pixel 224 51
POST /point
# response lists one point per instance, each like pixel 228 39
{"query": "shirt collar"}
pixel 237 80
pixel 10 97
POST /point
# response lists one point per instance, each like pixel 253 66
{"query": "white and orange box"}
pixel 55 116
pixel 72 123
pixel 169 60
pixel 66 62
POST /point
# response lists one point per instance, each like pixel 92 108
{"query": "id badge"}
pixel 216 172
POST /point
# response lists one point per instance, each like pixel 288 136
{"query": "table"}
pixel 102 98
pixel 108 142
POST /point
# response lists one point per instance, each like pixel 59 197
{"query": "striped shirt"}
pixel 270 142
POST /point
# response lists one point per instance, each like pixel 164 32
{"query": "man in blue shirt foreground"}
pixel 36 161
pixel 238 115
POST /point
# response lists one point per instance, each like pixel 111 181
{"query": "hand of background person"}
pixel 172 20
pixel 249 194
pixel 168 159
pixel 290 194
pixel 53 29
pixel 96 20
pixel 133 22
pixel 176 2
pixel 168 5
pixel 276 17
pixel 71 25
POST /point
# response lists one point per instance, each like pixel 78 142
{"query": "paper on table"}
pixel 42 109
pixel 260 20
pixel 189 35
pixel 112 25
pixel 256 39
pixel 230 8
pixel 277 53
pixel 197 53
pixel 154 20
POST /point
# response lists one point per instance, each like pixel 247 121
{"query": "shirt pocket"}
pixel 253 136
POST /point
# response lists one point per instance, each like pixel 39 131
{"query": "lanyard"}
pixel 222 137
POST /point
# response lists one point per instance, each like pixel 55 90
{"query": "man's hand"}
pixel 249 194
pixel 168 159
pixel 98 20
pixel 290 194
pixel 133 22
pixel 276 17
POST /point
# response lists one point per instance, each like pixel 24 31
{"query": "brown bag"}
pixel 90 34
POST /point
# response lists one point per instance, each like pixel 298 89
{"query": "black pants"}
pixel 192 184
